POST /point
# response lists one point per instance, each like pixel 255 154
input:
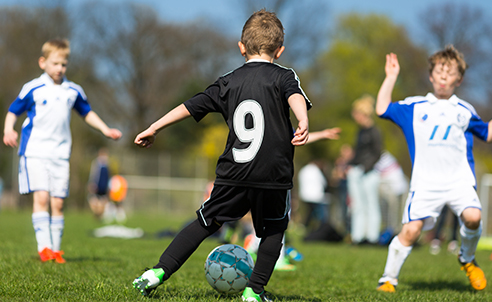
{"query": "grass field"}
pixel 102 269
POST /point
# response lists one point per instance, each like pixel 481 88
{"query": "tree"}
pixel 470 31
pixel 304 23
pixel 145 62
pixel 353 66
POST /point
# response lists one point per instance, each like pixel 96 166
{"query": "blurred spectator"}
pixel 98 185
pixel 312 191
pixel 393 185
pixel 339 181
pixel 363 179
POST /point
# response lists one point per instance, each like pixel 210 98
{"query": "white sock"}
pixel 41 224
pixel 57 225
pixel 397 254
pixel 469 241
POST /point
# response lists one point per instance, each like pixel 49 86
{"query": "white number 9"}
pixel 253 135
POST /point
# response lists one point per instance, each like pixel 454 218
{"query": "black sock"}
pixel 183 246
pixel 268 254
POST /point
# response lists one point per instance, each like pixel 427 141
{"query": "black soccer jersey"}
pixel 253 101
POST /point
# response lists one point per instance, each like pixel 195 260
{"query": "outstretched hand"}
pixel 145 139
pixel 392 67
pixel 331 133
pixel 113 133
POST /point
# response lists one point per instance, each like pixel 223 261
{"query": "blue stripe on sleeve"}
pixel 81 105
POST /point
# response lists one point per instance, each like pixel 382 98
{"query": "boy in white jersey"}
pixel 439 129
pixel 46 142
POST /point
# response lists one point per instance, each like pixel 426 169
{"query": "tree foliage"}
pixel 146 62
pixel 470 31
pixel 353 65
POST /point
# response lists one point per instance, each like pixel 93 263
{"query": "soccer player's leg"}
pixel 398 251
pixel 270 218
pixel 175 255
pixel 470 232
pixel 58 188
pixel 41 225
pixel 57 225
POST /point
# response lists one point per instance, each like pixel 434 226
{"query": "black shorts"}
pixel 269 207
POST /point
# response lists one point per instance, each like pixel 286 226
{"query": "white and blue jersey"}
pixel 46 130
pixel 439 135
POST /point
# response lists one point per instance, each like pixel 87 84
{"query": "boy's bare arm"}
pixel 330 133
pixel 298 105
pixel 146 138
pixel 392 69
pixel 97 123
pixel 9 134
pixel 489 136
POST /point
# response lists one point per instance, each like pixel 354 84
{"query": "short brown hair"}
pixel 52 45
pixel 262 33
pixel 446 55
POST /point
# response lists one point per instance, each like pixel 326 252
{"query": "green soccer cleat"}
pixel 149 281
pixel 250 296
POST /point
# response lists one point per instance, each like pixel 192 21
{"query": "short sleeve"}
pixel 21 105
pixel 292 85
pixel 478 127
pixel 81 105
pixel 204 102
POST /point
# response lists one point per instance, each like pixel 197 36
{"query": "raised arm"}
pixel 298 105
pixel 392 69
pixel 97 123
pixel 330 133
pixel 9 134
pixel 146 138
pixel 489 136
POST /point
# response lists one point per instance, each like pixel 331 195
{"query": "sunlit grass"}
pixel 102 269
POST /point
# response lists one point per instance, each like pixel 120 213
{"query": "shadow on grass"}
pixel 175 292
pixel 441 285
pixel 82 259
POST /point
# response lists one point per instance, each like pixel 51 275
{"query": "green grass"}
pixel 102 269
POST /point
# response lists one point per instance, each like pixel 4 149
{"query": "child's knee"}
pixel 410 232
pixel 472 218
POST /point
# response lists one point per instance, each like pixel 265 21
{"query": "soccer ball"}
pixel 228 268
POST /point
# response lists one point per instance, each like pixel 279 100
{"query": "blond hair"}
pixel 61 45
pixel 364 105
pixel 262 33
pixel 445 56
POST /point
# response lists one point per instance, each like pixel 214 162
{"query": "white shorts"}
pixel 43 174
pixel 427 205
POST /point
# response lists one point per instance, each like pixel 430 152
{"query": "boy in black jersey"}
pixel 256 169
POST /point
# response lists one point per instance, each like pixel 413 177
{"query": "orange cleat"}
pixel 58 257
pixel 474 274
pixel 46 254
pixel 386 287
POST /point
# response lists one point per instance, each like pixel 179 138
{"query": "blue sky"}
pixel 225 14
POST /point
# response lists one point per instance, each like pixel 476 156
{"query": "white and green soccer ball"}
pixel 228 268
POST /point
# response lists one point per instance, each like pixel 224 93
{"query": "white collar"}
pixel 258 60
pixel 432 98
pixel 49 81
